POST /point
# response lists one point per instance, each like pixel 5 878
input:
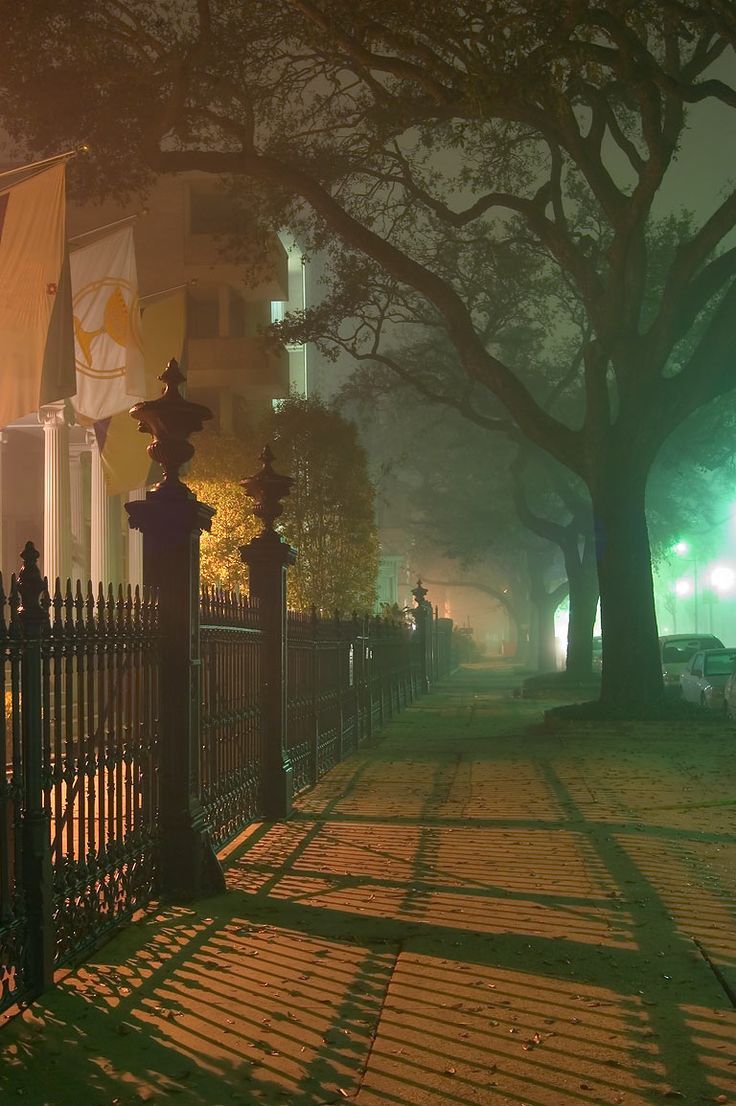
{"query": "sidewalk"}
pixel 466 913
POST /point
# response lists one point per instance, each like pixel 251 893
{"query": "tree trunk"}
pixel 582 577
pixel 544 604
pixel 632 672
pixel 544 612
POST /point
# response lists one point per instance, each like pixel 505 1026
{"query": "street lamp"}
pixel 682 549
pixel 722 579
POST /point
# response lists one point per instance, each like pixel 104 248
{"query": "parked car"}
pixel 729 697
pixel 705 676
pixel 677 649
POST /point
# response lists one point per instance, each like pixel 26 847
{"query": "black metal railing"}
pixel 13 921
pixel 79 795
pixel 83 841
pixel 232 740
pixel 100 709
pixel 345 678
pixel 80 729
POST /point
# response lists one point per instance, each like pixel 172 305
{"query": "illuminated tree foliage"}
pixel 220 461
pixel 329 516
pixel 418 141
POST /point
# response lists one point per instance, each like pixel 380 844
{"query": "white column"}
pixel 56 499
pixel 135 546
pixel 80 553
pixel 105 528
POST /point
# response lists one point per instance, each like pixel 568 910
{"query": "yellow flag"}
pixel 31 258
pixel 125 462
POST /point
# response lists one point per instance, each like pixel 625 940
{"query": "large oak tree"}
pixel 422 137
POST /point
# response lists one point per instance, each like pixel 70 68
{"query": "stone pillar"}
pixel 135 545
pixel 268 556
pixel 171 520
pixel 423 618
pixel 105 530
pixel 37 877
pixel 56 497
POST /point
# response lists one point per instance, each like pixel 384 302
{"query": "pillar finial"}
pixel 267 489
pixel 170 420
pixel 419 593
pixel 31 584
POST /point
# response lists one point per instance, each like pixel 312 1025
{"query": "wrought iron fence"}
pixel 232 739
pixel 78 793
pixel 82 730
pixel 100 708
pixel 13 921
pixel 345 677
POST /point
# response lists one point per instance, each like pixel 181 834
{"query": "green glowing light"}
pixel 722 577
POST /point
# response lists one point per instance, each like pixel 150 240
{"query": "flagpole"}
pixel 164 291
pixel 46 161
pixel 99 230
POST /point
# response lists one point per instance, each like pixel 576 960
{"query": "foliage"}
pixel 329 515
pixel 220 461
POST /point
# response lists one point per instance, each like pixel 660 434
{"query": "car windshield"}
pixel 680 652
pixel 720 664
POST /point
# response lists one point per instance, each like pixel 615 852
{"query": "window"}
pixel 213 212
pixel 721 664
pixel 203 318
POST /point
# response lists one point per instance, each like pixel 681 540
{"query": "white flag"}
pixel 107 333
pixel 31 257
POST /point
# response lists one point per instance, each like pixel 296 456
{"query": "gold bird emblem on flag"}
pixel 104 302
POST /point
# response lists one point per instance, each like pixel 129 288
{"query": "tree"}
pixel 416 140
pixel 329 515
pixel 220 462
pixel 435 485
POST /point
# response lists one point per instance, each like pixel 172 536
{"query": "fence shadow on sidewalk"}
pixel 434 940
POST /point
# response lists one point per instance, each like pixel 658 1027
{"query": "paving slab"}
pixel 472 910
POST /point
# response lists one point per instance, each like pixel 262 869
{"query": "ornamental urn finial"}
pixel 267 489
pixel 419 593
pixel 170 420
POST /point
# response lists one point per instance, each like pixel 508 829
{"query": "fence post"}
pixel 37 875
pixel 314 695
pixel 423 619
pixel 339 683
pixel 172 519
pixel 268 557
pixel 367 647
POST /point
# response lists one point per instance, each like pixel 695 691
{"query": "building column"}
pixel 135 545
pixel 56 498
pixel 105 528
pixel 79 551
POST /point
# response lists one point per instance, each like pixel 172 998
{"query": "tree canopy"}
pixel 419 143
pixel 329 515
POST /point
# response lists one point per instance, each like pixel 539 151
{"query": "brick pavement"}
pixel 472 911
